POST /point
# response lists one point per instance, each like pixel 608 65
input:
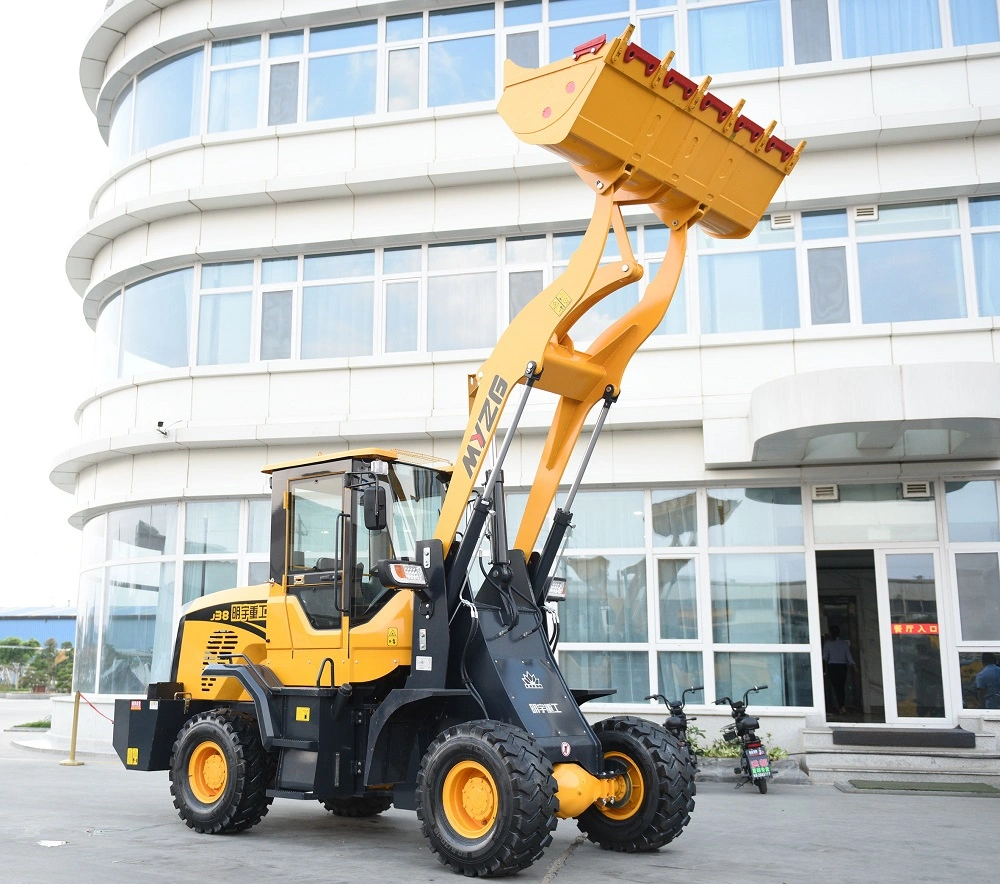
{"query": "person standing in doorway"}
pixel 987 682
pixel 837 658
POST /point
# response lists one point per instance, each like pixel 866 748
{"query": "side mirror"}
pixel 375 510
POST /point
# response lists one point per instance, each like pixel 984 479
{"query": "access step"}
pixel 905 738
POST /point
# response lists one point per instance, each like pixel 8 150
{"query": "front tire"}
pixel 761 785
pixel 220 773
pixel 486 799
pixel 659 794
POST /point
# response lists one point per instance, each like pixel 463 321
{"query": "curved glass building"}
pixel 314 225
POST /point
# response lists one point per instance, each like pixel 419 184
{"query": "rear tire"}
pixel 660 796
pixel 365 806
pixel 761 785
pixel 220 773
pixel 486 799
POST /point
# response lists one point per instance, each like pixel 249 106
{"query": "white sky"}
pixel 54 160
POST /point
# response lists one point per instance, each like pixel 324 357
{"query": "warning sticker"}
pixel 560 302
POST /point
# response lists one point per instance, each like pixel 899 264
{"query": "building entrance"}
pixel 883 605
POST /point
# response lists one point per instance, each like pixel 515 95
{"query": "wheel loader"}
pixel 390 660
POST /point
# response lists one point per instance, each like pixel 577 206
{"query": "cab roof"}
pixel 415 458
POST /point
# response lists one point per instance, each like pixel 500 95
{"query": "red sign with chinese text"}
pixel 915 629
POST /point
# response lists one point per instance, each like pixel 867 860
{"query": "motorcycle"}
pixel 677 722
pixel 755 766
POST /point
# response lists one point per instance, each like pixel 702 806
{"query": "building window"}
pixel 974 21
pixel 460 64
pixel 884 27
pixel 874 513
pixel 342 71
pixel 168 101
pixel 225 317
pixel 985 214
pixel 285 67
pixel 788 677
pixel 735 37
pixel 155 323
pixel 234 80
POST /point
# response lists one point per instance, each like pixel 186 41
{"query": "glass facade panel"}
pixel 984 210
pixel 974 21
pixel 912 218
pixel 980 679
pixel 224 328
pixel 283 94
pixel 402 305
pixel 888 26
pixel 657 34
pixel 106 344
pixel 461 20
pixel 907 280
pixel 627 673
pixel 343 36
pixel 823 225
pixel 678 595
pixel 565 38
pixel 404 79
pixel 282 45
pixel 522 12
pixel 759 598
pixel 605 599
pixel 138 627
pixel 276 325
pixel 978 577
pixel 675 518
pixel 168 101
pixel 523 287
pixel 972 512
pixel 229 275
pixel 607 519
pixel 338 266
pixel 232 102
pixel 337 320
pixel 88 613
pixel 341 86
pixel 142 531
pixel 461 70
pixel 986 254
pixel 94 541
pixel 461 256
pixel 765 296
pixel 754 516
pixel 916 646
pixel 828 295
pixel 736 37
pixel 874 513
pixel 120 136
pixel 810 31
pixel 677 671
pixel 156 323
pixel 278 270
pixel 212 526
pixel 401 260
pixel 563 9
pixel 522 49
pixel 787 675
pixel 205 577
pixel 259 529
pixel 404 27
pixel 456 319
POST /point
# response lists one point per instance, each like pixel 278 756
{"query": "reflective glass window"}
pixel 678 598
pixel 911 218
pixel 278 270
pixel 283 94
pixel 168 101
pixel 626 672
pixel 94 541
pixel 276 325
pixel 916 654
pixel 748 291
pixel 824 225
pixel 202 578
pixel 401 316
pixel 754 516
pixel 656 35
pixel 224 328
pixel 258 573
pixel 984 210
pixel 259 528
pixel 735 37
pixel 228 275
pixel 156 323
pixel 142 531
pixel 972 512
pixel 605 598
pixel 343 36
pixel 401 260
pixel 522 49
pixel 986 255
pixel 461 311
pixel 455 256
pixel 759 598
pixel 337 320
pixel 908 280
pixel 339 266
pixel 610 519
pixel 828 295
pixel 787 675
pixel 241 49
pixel 404 79
pixel 888 26
pixel 461 70
pixel 138 627
pixel 341 86
pixel 979 595
pixel 980 674
pixel 404 27
pixel 212 526
pixel 565 38
pixel 810 31
pixel 675 518
pixel 461 20
pixel 677 671
pixel 288 43
pixel 88 613
pixel 563 9
pixel 120 135
pixel 869 513
pixel 232 101
pixel 522 12
pixel 523 286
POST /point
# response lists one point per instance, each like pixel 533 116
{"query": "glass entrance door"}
pixel 909 607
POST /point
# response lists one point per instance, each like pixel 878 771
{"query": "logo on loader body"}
pixel 531 680
pixel 488 415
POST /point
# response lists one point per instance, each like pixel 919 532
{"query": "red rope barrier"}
pixel 98 711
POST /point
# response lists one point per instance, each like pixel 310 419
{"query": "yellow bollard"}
pixel 71 761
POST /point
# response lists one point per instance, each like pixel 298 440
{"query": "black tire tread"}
pixel 674 790
pixel 255 772
pixel 534 806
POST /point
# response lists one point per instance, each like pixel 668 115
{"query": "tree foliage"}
pixel 15 657
pixel 48 668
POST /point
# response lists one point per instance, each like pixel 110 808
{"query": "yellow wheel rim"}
pixel 469 799
pixel 208 772
pixel 629 789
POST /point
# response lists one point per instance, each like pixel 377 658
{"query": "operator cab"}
pixel 333 520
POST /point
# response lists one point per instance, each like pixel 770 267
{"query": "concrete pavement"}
pixel 109 825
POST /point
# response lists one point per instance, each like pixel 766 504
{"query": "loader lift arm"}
pixel 690 158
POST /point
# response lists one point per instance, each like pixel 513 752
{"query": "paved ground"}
pixel 113 826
